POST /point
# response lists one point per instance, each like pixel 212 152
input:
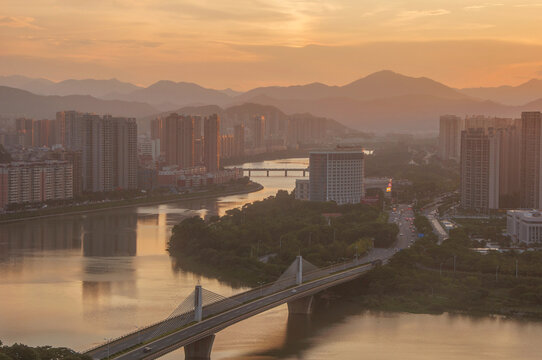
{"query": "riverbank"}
pixel 216 191
pixel 412 283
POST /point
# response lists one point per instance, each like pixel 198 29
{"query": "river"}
pixel 76 280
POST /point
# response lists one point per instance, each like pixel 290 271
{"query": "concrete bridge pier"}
pixel 302 306
pixel 199 350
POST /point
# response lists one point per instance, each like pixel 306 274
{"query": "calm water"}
pixel 75 280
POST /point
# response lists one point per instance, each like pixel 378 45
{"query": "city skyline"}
pixel 247 44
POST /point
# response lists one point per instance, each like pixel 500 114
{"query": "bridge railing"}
pixel 233 301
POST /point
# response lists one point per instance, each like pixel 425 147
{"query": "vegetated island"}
pixel 23 352
pixel 120 199
pixel 258 242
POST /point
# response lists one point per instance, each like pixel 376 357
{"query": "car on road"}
pixel 147 349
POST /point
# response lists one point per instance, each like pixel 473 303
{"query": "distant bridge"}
pixel 194 323
pixel 268 170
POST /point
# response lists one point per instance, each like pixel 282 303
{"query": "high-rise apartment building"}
pixel 450 137
pixel 484 122
pixel 69 130
pixel 35 182
pixel 258 131
pixel 509 173
pixel 211 143
pixel 109 156
pixel 179 147
pixel 75 159
pixel 480 169
pixel 337 175
pixel 226 146
pixel 239 140
pixel 198 152
pixel 530 162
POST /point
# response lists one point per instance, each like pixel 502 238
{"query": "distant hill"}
pixel 509 95
pixel 382 84
pixel 178 93
pixel 382 101
pixel 400 113
pixel 96 88
pixel 16 102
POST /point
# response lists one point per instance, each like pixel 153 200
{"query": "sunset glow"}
pixel 254 43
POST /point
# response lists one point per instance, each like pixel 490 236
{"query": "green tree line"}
pixel 278 228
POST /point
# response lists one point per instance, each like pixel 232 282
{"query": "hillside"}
pixel 510 95
pixel 15 102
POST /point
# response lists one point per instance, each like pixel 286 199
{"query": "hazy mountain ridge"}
pixel 509 95
pixel 178 93
pixel 380 101
pixel 93 87
pixel 16 102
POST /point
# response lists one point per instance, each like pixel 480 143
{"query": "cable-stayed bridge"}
pixel 196 320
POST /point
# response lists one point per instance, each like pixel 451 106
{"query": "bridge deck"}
pixel 213 324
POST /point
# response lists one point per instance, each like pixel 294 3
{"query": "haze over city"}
pixel 289 179
pixel 245 44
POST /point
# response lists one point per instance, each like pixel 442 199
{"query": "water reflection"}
pixel 108 234
pixel 102 274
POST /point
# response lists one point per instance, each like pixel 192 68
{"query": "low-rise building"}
pixel 194 177
pixel 302 189
pixel 524 226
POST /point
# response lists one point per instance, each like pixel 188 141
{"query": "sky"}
pixel 242 44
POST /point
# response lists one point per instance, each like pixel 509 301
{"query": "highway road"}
pixel 403 216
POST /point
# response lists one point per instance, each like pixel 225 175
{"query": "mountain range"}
pixel 382 101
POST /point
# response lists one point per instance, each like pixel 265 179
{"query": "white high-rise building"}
pixel 337 175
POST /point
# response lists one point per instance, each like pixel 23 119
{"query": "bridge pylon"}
pixel 200 350
pixel 198 304
pixel 301 306
pixel 299 273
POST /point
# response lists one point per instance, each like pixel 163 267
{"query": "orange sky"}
pixel 242 44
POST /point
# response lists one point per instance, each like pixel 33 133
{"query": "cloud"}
pixel 528 5
pixel 410 15
pixel 482 6
pixel 18 22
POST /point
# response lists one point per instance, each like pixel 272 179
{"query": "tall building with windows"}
pixel 69 132
pixel 450 137
pixel 509 173
pixel 239 140
pixel 530 162
pixel 258 131
pixel 211 143
pixel 337 175
pixel 35 182
pixel 179 141
pixel 109 155
pixel 480 169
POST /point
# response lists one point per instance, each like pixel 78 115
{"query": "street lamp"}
pixel 107 341
pixel 260 283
